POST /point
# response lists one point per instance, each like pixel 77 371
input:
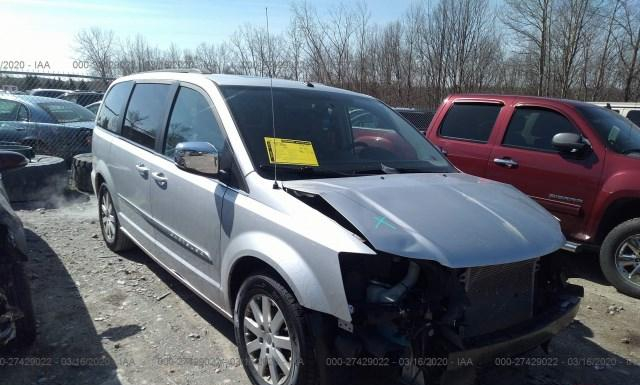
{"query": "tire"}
pixel 44 178
pixel 19 295
pixel 619 245
pixel 81 167
pixel 113 236
pixel 300 356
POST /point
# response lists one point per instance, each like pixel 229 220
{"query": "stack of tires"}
pixel 44 178
pixel 81 167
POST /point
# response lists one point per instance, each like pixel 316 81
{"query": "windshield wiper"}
pixel 305 170
pixel 630 150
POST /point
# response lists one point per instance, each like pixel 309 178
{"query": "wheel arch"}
pixel 251 252
pixel 618 211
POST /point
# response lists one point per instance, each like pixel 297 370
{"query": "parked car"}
pixel 47 92
pixel 50 126
pixel 630 111
pixel 17 321
pixel 579 161
pixel 322 239
pixel 420 119
pixel 82 98
pixel 93 107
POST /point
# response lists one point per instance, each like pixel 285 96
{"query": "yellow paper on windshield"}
pixel 290 151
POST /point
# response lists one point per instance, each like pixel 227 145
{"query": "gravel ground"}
pixel 106 318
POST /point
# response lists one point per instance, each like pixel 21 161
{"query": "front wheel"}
pixel 271 333
pixel 620 257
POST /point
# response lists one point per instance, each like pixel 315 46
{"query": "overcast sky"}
pixel 42 31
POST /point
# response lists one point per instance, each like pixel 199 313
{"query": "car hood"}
pixel 455 219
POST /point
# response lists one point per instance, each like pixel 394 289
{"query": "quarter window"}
pixel 145 112
pixel 192 120
pixel 109 113
pixel 470 121
pixel 535 128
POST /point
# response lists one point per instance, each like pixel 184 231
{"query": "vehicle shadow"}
pixel 68 348
pixel 202 308
pixel 584 265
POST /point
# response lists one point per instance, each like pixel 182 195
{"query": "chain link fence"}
pixel 53 113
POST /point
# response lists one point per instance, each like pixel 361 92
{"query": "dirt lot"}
pixel 115 319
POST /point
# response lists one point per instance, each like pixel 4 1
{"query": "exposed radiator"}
pixel 500 296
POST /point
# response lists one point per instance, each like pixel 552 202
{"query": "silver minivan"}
pixel 327 228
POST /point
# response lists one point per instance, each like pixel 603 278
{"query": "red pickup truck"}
pixel 579 161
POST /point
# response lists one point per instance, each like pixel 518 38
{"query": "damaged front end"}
pixel 429 321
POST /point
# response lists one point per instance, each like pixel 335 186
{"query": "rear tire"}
pixel 266 339
pixel 620 256
pixel 113 236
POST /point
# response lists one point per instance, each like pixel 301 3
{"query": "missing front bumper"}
pixel 518 340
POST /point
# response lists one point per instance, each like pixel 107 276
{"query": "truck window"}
pixel 470 121
pixel 145 112
pixel 533 128
pixel 634 116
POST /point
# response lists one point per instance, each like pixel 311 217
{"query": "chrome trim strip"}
pixel 195 250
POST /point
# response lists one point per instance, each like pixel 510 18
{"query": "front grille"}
pixel 500 296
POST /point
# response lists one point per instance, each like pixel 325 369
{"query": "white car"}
pixel 322 240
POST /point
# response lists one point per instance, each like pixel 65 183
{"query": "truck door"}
pixel 565 185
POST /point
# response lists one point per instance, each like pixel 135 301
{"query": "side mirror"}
pixel 197 157
pixel 569 143
pixel 10 160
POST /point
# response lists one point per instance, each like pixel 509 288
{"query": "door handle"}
pixel 20 128
pixel 159 178
pixel 507 162
pixel 142 170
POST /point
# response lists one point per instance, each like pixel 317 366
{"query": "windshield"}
pixel 348 134
pixel 619 133
pixel 63 112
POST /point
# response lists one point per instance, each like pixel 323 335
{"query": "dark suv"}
pixel 580 161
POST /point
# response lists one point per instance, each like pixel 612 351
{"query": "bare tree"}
pixel 530 21
pixel 97 46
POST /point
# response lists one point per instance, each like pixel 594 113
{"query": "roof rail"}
pixel 180 70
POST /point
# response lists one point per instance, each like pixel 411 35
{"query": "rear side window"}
pixel 145 113
pixel 8 110
pixel 470 121
pixel 192 120
pixel 535 127
pixel 634 116
pixel 109 114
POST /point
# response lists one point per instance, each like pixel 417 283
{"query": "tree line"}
pixel 581 49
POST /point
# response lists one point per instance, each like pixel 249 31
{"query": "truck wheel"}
pixel 620 257
pixel 274 343
pixel 115 239
pixel 43 178
pixel 19 295
pixel 81 167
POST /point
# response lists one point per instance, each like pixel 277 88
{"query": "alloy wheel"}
pixel 268 340
pixel 108 218
pixel 628 259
